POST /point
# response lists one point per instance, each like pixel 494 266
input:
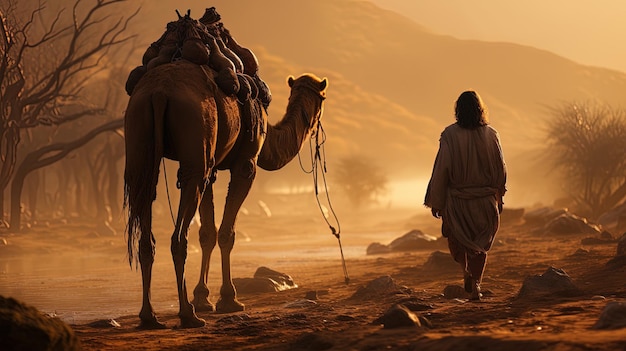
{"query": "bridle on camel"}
pixel 317 157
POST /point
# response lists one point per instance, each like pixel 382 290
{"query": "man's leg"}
pixel 476 267
pixel 460 256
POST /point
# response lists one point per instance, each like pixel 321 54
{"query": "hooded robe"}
pixel 467 183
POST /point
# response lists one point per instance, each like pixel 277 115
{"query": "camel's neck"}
pixel 284 140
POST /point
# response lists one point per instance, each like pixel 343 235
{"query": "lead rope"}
pixel 167 190
pixel 207 183
pixel 316 158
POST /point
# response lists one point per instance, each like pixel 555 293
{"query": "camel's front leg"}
pixel 208 240
pixel 190 193
pixel 241 181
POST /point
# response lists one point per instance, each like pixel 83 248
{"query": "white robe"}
pixel 467 183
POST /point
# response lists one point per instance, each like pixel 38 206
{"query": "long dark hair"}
pixel 470 112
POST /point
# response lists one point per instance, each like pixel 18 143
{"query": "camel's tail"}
pixel 144 134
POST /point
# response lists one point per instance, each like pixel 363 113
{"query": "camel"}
pixel 178 112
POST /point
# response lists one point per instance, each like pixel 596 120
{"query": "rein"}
pixel 317 157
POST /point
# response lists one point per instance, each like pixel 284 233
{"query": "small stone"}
pixel 455 292
pixel 613 316
pixel 440 261
pixel 568 223
pixel 398 316
pixel 553 282
pixel 105 323
pixel 380 286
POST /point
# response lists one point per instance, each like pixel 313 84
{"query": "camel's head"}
pixel 311 82
pixel 309 85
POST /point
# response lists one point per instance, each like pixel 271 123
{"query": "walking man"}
pixel 467 186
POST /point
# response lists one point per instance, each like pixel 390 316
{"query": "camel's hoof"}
pixel 151 323
pixel 191 322
pixel 203 305
pixel 228 306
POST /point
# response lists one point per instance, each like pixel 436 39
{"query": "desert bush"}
pixel 587 143
pixel 360 179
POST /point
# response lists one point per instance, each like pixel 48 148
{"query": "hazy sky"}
pixel 585 31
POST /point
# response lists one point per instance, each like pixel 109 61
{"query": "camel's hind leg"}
pixel 208 240
pixel 192 184
pixel 146 258
pixel 242 177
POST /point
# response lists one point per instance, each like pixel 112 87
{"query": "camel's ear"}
pixel 324 84
pixel 290 81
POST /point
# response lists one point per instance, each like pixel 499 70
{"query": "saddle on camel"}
pixel 209 44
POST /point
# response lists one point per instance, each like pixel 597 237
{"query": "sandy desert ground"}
pixel 83 277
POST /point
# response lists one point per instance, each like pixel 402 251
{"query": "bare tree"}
pixel 45 156
pixel 587 141
pixel 360 179
pixel 46 58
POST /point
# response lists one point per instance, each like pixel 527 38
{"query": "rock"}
pixel 254 285
pixel 595 241
pixel 105 323
pixel 23 327
pixel 398 316
pixel 602 239
pixel 614 219
pixel 619 260
pixel 613 316
pixel 378 287
pixel 415 305
pixel 455 292
pixel 553 282
pixel 281 278
pixel 313 342
pixel 441 261
pixel 413 240
pixel 311 295
pixel 580 253
pixel 512 215
pixel 264 280
pixel 616 262
pixel 377 248
pixel 570 224
pixel 606 235
pixel 621 245
pixel 543 215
